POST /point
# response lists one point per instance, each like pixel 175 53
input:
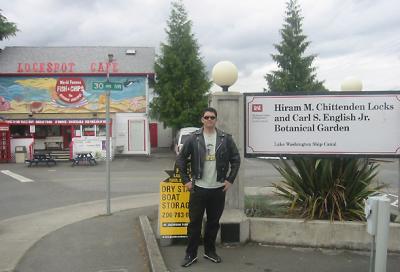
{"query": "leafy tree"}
pixel 295 71
pixel 7 29
pixel 182 83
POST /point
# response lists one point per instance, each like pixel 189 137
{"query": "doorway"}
pixel 66 133
pixel 5 147
pixel 153 135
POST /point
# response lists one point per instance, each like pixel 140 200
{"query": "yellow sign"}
pixel 174 207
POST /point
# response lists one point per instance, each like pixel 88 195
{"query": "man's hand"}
pixel 227 185
pixel 189 185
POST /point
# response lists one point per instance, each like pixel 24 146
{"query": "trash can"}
pixel 20 154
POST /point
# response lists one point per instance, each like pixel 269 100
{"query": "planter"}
pixel 318 233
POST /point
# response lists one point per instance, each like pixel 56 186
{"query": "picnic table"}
pixel 85 158
pixel 41 158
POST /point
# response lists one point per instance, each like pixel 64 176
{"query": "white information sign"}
pixel 366 124
pixel 95 145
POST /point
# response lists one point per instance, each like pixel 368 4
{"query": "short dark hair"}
pixel 209 109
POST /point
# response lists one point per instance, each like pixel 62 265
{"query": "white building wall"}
pixel 164 135
pixel 165 138
pixel 126 138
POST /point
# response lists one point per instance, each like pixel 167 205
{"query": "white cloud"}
pixel 350 37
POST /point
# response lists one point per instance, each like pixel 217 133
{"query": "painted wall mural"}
pixel 69 94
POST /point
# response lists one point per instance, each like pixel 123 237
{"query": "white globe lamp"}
pixel 224 74
pixel 351 84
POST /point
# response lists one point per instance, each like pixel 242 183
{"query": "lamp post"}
pixel 224 74
pixel 234 223
pixel 108 185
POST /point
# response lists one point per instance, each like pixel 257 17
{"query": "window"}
pixel 78 132
pixel 47 131
pixel 100 130
pixel 20 131
pixel 88 130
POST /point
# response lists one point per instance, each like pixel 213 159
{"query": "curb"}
pixel 157 263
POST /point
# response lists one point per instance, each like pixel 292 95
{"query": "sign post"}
pixel 108 174
pixel 108 86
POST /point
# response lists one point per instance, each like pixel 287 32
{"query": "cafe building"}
pixel 52 99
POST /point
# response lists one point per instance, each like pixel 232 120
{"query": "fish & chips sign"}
pixel 362 123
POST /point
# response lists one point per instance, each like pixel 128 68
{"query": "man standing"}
pixel 215 162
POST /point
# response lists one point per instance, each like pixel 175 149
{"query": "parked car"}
pixel 181 137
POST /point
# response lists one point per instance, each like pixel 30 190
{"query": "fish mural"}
pixel 69 95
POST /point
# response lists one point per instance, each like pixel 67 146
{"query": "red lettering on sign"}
pixel 115 67
pixel 257 108
pixel 104 67
pixel 46 67
pixel 101 69
pixel 65 67
pixel 93 67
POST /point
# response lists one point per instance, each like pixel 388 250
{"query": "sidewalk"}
pixel 103 243
pixel 263 258
pixel 258 257
pixel 19 234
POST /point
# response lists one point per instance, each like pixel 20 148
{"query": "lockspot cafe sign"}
pixel 360 124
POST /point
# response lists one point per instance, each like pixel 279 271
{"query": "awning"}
pixel 56 121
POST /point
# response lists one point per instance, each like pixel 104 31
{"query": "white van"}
pixel 181 137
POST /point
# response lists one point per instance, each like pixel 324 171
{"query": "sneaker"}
pixel 188 260
pixel 212 256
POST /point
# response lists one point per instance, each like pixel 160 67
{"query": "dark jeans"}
pixel 212 201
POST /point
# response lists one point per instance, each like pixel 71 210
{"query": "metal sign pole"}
pixel 108 186
pixel 108 152
pixel 398 192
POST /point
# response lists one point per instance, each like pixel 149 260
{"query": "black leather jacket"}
pixel 226 153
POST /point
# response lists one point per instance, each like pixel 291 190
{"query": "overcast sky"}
pixel 358 38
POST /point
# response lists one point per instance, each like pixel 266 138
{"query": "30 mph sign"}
pixel 106 86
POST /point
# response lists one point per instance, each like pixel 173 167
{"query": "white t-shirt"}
pixel 209 179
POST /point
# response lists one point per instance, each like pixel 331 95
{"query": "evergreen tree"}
pixel 182 83
pixel 7 28
pixel 295 72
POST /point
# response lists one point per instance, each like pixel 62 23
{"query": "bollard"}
pixel 377 212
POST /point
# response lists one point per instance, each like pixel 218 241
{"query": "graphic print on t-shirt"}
pixel 210 152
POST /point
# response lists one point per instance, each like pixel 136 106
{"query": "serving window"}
pixel 22 131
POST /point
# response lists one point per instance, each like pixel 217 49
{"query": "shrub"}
pixel 265 206
pixel 330 188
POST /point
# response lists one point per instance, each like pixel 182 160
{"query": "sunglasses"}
pixel 209 117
